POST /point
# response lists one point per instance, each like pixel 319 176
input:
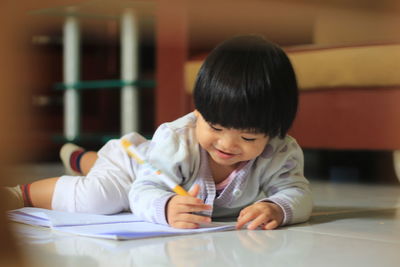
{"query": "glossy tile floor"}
pixel 352 225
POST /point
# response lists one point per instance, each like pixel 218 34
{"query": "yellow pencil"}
pixel 132 151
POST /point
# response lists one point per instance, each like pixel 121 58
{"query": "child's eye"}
pixel 248 139
pixel 215 128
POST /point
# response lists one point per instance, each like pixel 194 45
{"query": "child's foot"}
pixel 70 155
pixel 13 197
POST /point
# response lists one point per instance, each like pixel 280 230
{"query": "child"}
pixel 227 152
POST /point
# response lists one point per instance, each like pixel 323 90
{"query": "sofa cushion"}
pixel 363 66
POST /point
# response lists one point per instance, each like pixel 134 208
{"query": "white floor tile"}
pixel 352 225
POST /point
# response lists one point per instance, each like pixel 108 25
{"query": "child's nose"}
pixel 227 143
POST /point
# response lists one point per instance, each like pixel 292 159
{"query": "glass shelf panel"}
pixel 99 9
pixel 105 84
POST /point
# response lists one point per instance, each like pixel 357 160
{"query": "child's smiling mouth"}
pixel 223 154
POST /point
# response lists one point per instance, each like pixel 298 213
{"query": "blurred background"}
pixel 166 35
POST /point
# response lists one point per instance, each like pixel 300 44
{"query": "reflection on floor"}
pixel 353 224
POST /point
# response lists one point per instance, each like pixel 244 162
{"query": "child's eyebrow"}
pixel 249 131
pixel 242 131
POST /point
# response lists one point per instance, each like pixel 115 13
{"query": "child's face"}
pixel 228 147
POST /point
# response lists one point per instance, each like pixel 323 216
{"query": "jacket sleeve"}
pixel 286 185
pixel 171 152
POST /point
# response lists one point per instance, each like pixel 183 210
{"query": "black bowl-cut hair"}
pixel 248 83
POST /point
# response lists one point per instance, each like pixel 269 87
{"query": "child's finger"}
pixel 258 221
pixel 243 212
pixel 187 220
pixel 271 225
pixel 245 218
pixel 193 218
pixel 195 190
pixel 183 200
pixel 185 225
pixel 186 208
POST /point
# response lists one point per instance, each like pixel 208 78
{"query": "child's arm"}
pixel 150 196
pixel 159 205
pixel 287 187
pixel 288 197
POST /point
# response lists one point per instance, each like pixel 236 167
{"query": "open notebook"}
pixel 121 226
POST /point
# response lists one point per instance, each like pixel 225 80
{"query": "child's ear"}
pixel 196 113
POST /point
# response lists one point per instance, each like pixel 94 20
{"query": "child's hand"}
pixel 267 215
pixel 180 208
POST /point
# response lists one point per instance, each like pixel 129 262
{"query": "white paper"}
pixel 120 226
pixel 51 218
pixel 136 230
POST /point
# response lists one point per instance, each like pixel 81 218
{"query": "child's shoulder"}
pixel 186 122
pixel 282 142
pixel 280 148
pixel 182 128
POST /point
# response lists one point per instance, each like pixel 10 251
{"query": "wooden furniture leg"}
pixel 396 163
pixel 172 49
